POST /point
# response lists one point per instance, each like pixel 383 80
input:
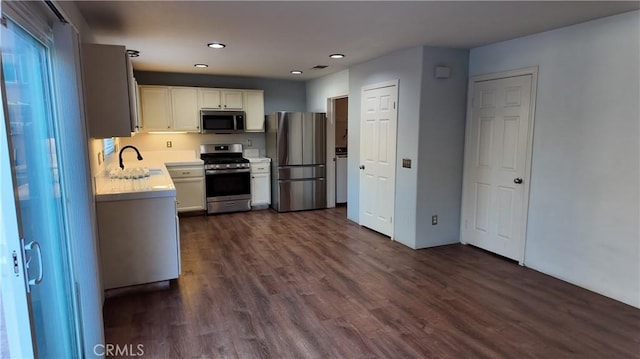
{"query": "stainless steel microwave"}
pixel 222 121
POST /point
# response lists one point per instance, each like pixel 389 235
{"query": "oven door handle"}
pixel 223 171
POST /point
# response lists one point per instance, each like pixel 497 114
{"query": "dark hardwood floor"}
pixel 314 285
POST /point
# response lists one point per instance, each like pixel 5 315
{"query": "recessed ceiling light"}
pixel 296 72
pixel 201 65
pixel 336 56
pixel 216 45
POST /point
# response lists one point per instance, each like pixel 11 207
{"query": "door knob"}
pixel 517 180
pixel 361 167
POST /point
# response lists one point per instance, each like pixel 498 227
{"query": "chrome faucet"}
pixel 122 150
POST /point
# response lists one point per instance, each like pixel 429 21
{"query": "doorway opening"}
pixel 341 116
pixel 337 150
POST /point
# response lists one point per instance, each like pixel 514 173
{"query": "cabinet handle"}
pixel 186 173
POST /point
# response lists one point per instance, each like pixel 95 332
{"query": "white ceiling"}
pixel 268 39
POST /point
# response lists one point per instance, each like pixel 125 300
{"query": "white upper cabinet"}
pixel 220 99
pixel 209 98
pixel 185 110
pixel 166 108
pixel 110 91
pixel 254 109
pixel 156 108
pixel 175 108
pixel 232 100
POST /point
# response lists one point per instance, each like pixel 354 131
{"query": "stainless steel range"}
pixel 228 178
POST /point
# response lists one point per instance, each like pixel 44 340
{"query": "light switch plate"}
pixel 406 163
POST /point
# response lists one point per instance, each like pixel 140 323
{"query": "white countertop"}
pixel 158 184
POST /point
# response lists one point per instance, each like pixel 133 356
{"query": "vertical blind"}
pixel 109 146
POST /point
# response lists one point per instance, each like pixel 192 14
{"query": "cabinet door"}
pixel 209 98
pixel 133 98
pixel 254 108
pixel 107 90
pixel 260 189
pixel 156 108
pixel 190 194
pixel 137 124
pixel 232 100
pixel 184 104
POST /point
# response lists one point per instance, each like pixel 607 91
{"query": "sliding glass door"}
pixel 33 149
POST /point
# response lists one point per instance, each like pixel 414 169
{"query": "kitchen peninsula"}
pixel 138 224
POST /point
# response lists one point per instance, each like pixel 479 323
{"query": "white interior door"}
pixel 496 170
pixel 378 126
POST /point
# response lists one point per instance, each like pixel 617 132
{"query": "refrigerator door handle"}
pixel 300 166
pixel 301 180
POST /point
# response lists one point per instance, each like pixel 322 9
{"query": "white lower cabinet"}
pixel 260 189
pixel 189 183
pixel 139 241
pixel 190 194
pixel 260 183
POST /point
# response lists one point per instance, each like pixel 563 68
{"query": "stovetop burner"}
pixel 223 156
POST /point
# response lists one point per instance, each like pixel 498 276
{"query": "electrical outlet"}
pixel 249 142
pixel 169 144
pixel 434 219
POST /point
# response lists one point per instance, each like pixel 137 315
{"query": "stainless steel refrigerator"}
pixel 296 143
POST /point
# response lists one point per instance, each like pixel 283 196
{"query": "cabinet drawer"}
pixel 182 172
pixel 260 167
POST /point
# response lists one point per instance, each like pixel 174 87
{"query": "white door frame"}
pixel 391 83
pixel 533 71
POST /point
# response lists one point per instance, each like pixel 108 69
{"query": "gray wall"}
pixel 279 95
pixel 584 207
pixel 406 66
pixel 431 115
pixel 323 88
pixel 440 150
